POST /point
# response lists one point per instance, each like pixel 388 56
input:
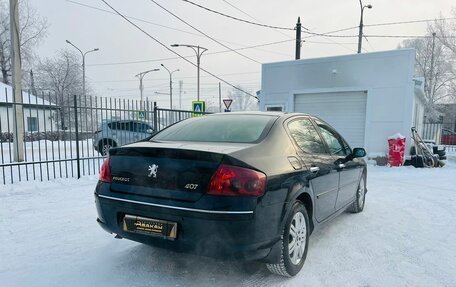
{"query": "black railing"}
pixel 67 136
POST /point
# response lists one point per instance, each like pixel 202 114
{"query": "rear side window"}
pixel 306 137
pixel 219 128
pixel 335 143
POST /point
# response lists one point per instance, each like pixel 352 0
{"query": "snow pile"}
pixel 405 237
pixel 396 136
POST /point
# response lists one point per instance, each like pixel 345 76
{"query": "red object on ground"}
pixel 396 151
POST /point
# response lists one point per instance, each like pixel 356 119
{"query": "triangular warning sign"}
pixel 227 103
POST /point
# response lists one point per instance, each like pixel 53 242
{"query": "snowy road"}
pixel 406 236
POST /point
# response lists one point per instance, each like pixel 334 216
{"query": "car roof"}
pixel 261 113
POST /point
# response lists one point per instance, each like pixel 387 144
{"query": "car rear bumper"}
pixel 222 234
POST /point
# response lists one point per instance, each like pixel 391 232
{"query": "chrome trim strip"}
pixel 176 207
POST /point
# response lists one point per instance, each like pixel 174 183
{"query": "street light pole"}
pixel 141 87
pixel 83 63
pixel 199 52
pixel 361 24
pixel 170 85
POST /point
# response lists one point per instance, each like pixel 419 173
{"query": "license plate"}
pixel 150 226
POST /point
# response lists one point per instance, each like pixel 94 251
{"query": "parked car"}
pixel 242 185
pixel 448 137
pixel 118 133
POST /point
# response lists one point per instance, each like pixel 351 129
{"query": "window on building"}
pixel 275 108
pixel 32 124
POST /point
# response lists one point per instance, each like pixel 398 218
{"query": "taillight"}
pixel 237 181
pixel 105 172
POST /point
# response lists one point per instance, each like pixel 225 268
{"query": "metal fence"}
pixel 68 136
pixel 441 134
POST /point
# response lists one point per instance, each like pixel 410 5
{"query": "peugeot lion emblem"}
pixel 153 170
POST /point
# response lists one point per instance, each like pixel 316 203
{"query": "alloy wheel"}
pixel 297 238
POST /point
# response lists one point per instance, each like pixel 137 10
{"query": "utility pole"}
pixel 361 25
pixel 83 64
pixel 298 39
pixel 170 85
pixel 220 97
pixel 181 83
pixel 432 67
pixel 32 83
pixel 199 52
pixel 18 123
pixel 141 87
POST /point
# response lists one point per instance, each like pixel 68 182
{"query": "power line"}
pixel 174 52
pixel 193 27
pixel 191 56
pixel 247 14
pixel 238 19
pixel 160 25
pixel 133 18
pixel 409 22
pixel 164 79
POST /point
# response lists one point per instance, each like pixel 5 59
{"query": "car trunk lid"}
pixel 167 170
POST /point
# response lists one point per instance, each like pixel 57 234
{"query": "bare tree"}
pixel 242 101
pixel 59 78
pixel 446 33
pixel 32 31
pixel 434 63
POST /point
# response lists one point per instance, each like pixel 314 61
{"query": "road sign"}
pixel 227 111
pixel 141 115
pixel 198 106
pixel 227 103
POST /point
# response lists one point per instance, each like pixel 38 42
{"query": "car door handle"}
pixel 341 165
pixel 314 169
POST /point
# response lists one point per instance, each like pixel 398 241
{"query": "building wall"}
pixel 43 118
pixel 386 77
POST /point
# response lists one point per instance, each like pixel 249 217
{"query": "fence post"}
pixel 155 117
pixel 78 164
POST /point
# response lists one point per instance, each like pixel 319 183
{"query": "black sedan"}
pixel 241 185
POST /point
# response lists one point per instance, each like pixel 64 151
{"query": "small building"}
pixel 39 114
pixel 366 97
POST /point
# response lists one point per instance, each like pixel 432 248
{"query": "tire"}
pixel 291 264
pixel 358 205
pixel 104 146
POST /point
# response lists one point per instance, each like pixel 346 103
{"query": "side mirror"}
pixel 150 131
pixel 358 152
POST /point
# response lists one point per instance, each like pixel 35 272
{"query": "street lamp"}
pixel 141 87
pixel 170 86
pixel 360 35
pixel 198 57
pixel 83 64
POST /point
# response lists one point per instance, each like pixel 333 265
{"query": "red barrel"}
pixel 396 151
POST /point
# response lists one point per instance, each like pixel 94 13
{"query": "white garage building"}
pixel 366 97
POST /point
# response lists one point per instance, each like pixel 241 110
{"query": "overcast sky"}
pixel 120 42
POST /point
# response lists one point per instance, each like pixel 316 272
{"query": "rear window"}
pixel 219 128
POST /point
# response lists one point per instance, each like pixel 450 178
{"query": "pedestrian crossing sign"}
pixel 141 115
pixel 198 107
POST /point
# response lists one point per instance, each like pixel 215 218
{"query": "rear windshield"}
pixel 219 128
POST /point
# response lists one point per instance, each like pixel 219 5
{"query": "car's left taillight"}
pixel 105 172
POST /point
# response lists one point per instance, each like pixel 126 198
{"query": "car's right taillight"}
pixel 237 181
pixel 105 172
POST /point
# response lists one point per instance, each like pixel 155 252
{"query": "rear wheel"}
pixel 358 205
pixel 294 241
pixel 105 145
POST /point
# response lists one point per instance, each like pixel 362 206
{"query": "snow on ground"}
pixel 45 150
pixel 406 236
